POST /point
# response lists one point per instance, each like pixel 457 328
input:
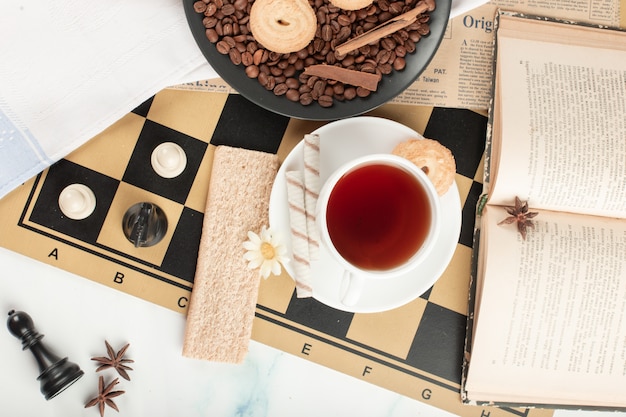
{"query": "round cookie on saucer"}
pixel 433 158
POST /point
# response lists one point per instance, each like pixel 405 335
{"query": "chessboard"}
pixel 415 350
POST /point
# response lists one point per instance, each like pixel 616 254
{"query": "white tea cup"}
pixel 378 216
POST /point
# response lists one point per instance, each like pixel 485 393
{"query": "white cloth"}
pixel 71 68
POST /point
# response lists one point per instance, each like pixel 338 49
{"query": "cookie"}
pixel 351 4
pixel 283 26
pixel 433 158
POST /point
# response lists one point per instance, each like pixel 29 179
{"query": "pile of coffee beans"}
pixel 227 26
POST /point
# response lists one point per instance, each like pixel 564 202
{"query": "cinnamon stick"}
pixel 366 80
pixel 392 25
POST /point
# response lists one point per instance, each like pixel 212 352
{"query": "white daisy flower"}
pixel 266 251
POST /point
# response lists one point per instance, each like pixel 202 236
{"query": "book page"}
pixel 551 308
pixel 562 123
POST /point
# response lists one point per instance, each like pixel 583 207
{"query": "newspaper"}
pixel 459 75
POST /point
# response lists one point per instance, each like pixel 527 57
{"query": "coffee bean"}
pixel 382 56
pixel 388 43
pixel 325 101
pixel 362 92
pixel 396 7
pixel 399 63
pixel 212 35
pixel 209 22
pixel 349 93
pixel 292 95
pixel 292 83
pixel 235 56
pixel 269 83
pixel 338 88
pixel 385 68
pixel 410 46
pixel 211 9
pixel 306 99
pixel 240 4
pixel 343 34
pixel 281 89
pixel 258 56
pixel 290 71
pixel 252 71
pixel 228 9
pixel 222 47
pixel 199 7
pixel 318 88
pixel 246 59
pixel 227 29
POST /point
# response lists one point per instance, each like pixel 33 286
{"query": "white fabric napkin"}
pixel 71 68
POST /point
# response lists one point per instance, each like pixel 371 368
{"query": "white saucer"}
pixel 340 142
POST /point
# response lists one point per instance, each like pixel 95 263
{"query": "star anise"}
pixel 105 395
pixel 520 215
pixel 115 361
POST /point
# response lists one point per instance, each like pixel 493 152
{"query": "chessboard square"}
pixel 451 289
pixel 182 253
pixel 438 344
pixel 187 111
pixel 296 129
pixel 311 313
pixel 197 197
pixel 453 128
pixel 143 108
pixel 120 137
pixel 480 172
pixel 469 214
pixel 46 210
pixel 390 331
pixel 112 234
pixel 276 291
pixel 415 117
pixel 243 124
pixel 140 173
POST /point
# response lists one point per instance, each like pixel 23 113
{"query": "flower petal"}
pixel 254 238
pixel 265 270
pixel 276 268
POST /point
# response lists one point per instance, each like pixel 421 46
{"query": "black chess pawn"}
pixel 55 373
pixel 144 224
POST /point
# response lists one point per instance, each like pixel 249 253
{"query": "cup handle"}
pixel 351 288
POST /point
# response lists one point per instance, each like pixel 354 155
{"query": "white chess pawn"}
pixel 77 201
pixel 168 160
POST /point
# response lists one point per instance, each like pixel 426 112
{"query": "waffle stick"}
pixel 299 236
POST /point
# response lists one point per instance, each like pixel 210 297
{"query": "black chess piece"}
pixel 56 374
pixel 144 224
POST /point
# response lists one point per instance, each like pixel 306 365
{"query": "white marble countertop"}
pixel 76 315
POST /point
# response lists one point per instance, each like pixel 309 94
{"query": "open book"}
pixel 548 315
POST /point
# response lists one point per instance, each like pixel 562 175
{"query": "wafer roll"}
pixel 225 291
pixel 299 236
pixel 311 190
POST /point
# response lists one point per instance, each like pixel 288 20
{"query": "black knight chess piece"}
pixel 144 224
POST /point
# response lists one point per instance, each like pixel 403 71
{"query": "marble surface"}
pixel 76 315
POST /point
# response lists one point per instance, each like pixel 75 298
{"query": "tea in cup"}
pixel 378 216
